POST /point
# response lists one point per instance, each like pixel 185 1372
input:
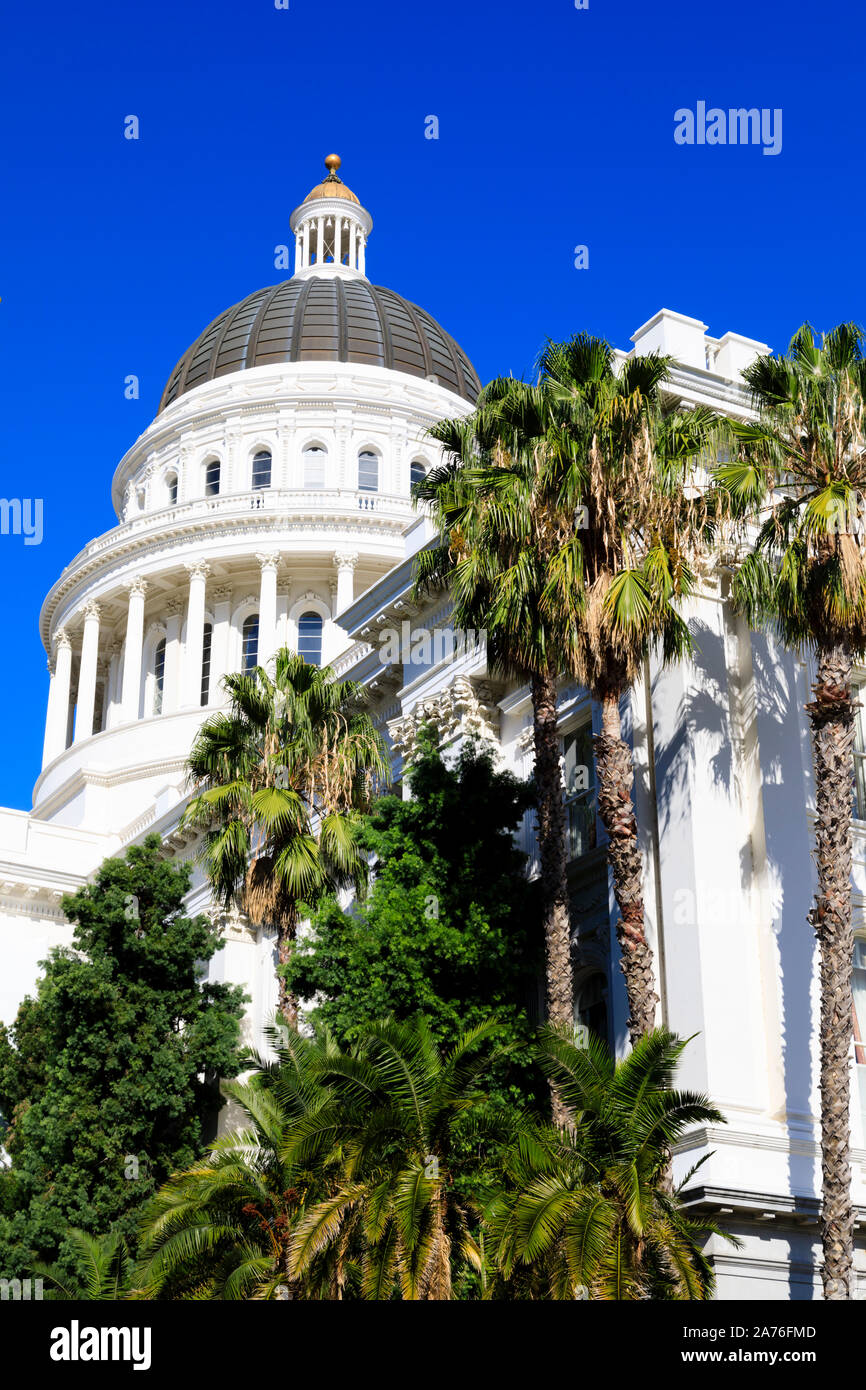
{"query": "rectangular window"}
pixel 858 690
pixel 858 982
pixel 579 775
pixel 205 663
pixel 261 471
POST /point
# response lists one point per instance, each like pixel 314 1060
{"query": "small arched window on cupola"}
pixel 171 489
pixel 417 473
pixel 314 461
pixel 368 471
pixel 250 633
pixel 158 675
pixel 261 470
pixel 310 638
pixel 212 478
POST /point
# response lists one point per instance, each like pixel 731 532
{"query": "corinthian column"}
pixel 132 653
pixel 87 673
pixel 198 572
pixel 57 718
pixel 268 607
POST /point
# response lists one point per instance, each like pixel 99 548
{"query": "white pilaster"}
pixel 345 562
pixel 219 648
pixel 57 718
pixel 171 676
pixel 87 673
pixel 198 572
pixel 268 606
pixel 130 700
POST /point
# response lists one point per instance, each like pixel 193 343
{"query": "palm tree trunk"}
pixel 831 715
pixel 613 761
pixel 551 853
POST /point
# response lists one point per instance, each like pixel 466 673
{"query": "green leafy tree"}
pixel 797 478
pixel 586 1209
pixel 450 927
pixel 109 1076
pixel 281 782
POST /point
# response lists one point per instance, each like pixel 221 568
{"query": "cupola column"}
pixel 362 256
pixel 87 673
pixel 268 607
pixel 338 240
pixel 198 573
pixel 57 719
pixel 131 697
pixel 306 255
pixel 320 241
pixel 353 245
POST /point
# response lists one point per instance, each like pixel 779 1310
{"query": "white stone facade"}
pixel 724 782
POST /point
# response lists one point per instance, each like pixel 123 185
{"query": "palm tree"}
pixel 397 1102
pixel 105 1270
pixel 281 782
pixel 567 530
pixel 222 1228
pixel 587 1210
pixel 796 477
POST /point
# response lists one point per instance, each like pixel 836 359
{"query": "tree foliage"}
pixel 108 1077
pixel 449 929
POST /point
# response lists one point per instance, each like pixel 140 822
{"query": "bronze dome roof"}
pixel 324 319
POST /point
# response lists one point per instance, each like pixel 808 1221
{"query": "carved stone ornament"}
pixel 467 708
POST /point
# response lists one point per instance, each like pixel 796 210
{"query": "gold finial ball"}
pixel 333 162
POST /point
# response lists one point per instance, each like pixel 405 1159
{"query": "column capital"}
pixel 197 569
pixel 136 585
pixel 222 594
pixel 174 607
pixel 92 611
pixel 345 559
pixel 61 638
pixel 269 560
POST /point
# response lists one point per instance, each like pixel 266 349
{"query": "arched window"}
pixel 314 466
pixel 368 471
pixel 417 473
pixel 262 470
pixel 158 675
pixel 251 642
pixel 205 662
pixel 590 1006
pixel 310 638
pixel 212 478
pixel 171 489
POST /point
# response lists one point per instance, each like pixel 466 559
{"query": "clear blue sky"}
pixel 556 128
